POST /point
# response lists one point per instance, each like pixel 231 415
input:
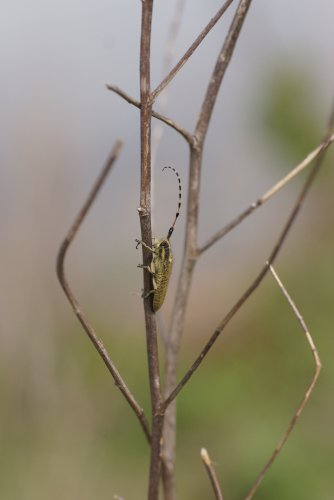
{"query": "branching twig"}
pixel 191 50
pixel 264 270
pixel 187 136
pixel 266 196
pixel 306 395
pixel 119 382
pixel 222 64
pixel 212 474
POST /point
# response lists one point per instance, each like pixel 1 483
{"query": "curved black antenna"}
pixel 171 229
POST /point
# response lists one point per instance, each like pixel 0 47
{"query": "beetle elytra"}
pixel 161 264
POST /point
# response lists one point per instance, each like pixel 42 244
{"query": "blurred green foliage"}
pixel 289 110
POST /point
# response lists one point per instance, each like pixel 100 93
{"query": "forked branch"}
pixel 97 343
pixel 219 71
pixel 190 51
pixel 306 396
pixel 187 136
pixel 253 286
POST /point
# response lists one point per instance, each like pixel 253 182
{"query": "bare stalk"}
pixel 146 233
pixel 190 248
pixel 212 474
pixel 97 343
pixel 306 396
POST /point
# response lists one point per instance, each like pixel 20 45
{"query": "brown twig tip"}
pixel 205 456
pixel 212 474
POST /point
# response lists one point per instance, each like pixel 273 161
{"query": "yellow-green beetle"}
pixel 162 259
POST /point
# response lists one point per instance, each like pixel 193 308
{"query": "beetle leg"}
pixel 150 269
pixel 145 295
pixel 139 242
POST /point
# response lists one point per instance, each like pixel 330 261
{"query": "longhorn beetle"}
pixel 162 259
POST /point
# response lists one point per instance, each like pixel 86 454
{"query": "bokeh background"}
pixel 64 429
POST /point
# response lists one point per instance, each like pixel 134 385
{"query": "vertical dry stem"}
pixel 146 232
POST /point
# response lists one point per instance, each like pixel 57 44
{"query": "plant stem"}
pixel 146 233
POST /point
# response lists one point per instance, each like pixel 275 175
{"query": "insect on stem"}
pixel 161 264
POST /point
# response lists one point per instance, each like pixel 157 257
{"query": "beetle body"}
pixel 161 264
pixel 160 269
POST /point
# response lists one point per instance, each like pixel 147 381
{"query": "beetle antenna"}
pixel 171 229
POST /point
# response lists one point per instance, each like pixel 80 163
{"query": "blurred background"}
pixel 64 428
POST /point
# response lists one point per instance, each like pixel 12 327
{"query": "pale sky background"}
pixel 58 123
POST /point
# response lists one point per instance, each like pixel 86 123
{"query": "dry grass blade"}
pixel 212 474
pixel 119 382
pixel 306 395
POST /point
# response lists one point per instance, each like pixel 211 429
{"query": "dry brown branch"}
pixel 190 51
pixel 119 382
pixel 212 474
pixel 187 136
pixel 248 292
pixel 266 196
pixel 146 233
pixel 222 64
pixel 306 396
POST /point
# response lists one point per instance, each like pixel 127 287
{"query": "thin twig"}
pixel 306 396
pixel 190 51
pixel 221 66
pixel 146 233
pixel 173 32
pixel 187 136
pixel 248 292
pixel 119 382
pixel 266 196
pixel 212 474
